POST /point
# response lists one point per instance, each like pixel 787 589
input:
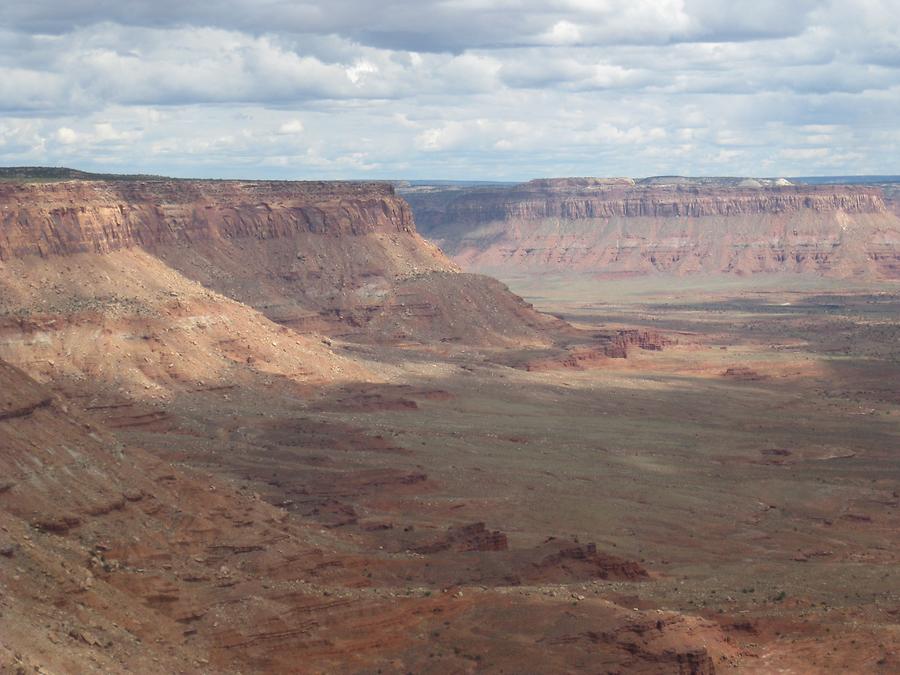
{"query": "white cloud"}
pixel 291 127
pixel 457 88
pixel 563 33
pixel 66 136
pixel 439 25
pixel 359 70
pixel 804 153
pixel 441 138
pixel 478 135
pixel 104 132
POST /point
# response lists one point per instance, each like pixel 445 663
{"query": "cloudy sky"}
pixel 463 89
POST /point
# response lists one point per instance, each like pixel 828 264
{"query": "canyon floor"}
pixel 727 504
pixel 752 464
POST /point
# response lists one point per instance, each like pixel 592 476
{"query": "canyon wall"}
pixel 102 216
pixel 611 227
pixel 86 265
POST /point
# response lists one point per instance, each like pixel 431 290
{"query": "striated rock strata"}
pixel 675 226
pixel 99 217
pixel 342 259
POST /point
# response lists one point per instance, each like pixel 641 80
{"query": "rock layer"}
pixel 335 258
pixel 619 227
pixel 102 216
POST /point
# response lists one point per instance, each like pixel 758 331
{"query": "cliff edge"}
pixel 336 258
pixel 664 225
pixel 101 216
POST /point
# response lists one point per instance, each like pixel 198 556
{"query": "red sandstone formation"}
pixel 600 565
pixel 585 198
pixel 619 341
pixel 99 217
pixel 604 346
pixel 474 537
pixel 677 226
pixel 338 258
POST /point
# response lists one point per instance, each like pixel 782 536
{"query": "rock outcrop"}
pixel 603 346
pixel 474 537
pixel 676 226
pixel 581 198
pixel 102 216
pixel 342 259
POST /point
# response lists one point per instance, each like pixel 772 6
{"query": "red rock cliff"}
pixel 618 226
pixel 101 216
pixel 594 198
pixel 332 257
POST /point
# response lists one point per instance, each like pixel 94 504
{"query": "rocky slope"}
pixel 113 560
pixel 110 559
pixel 335 258
pixel 674 226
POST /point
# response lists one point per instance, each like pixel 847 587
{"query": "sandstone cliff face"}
pixel 892 197
pixel 622 227
pixel 342 259
pixel 582 198
pixel 100 216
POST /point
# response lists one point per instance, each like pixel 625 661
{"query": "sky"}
pixel 453 89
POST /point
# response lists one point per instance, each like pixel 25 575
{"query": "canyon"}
pixel 257 426
pixel 670 226
pixel 312 255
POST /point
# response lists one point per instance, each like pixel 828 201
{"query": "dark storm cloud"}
pixel 454 25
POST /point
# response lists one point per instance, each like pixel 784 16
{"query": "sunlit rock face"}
pixel 676 226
